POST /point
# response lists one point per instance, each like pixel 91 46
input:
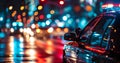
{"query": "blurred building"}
pixel 48 13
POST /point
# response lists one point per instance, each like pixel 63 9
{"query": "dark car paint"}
pixel 97 54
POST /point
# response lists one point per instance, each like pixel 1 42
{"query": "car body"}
pixel 98 42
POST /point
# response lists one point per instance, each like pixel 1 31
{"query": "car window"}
pixel 88 30
pixel 99 31
pixel 96 29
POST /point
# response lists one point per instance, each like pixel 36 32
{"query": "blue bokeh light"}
pixel 41 24
pixel 1 18
pixel 48 16
pixel 83 22
pixel 65 18
pixel 20 24
pixel 14 24
pixel 2 35
pixel 7 25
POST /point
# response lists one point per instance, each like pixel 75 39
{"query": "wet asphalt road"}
pixel 22 50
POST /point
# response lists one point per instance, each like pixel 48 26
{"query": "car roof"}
pixel 111 13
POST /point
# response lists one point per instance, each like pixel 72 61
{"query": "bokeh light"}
pixel 77 8
pixel 14 24
pixel 33 26
pixel 88 8
pixel 48 15
pixel 1 18
pixel 36 13
pixel 64 18
pixel 40 7
pixel 66 30
pixel 14 13
pixel 10 7
pixel 11 30
pixel 50 30
pixel 52 12
pixel 38 30
pixel 82 1
pixel 42 0
pixel 48 22
pixel 20 23
pixel 19 16
pixel 42 16
pixel 58 29
pixel 61 2
pixel 22 8
pixel 24 14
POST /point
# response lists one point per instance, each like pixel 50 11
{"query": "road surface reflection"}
pixel 16 49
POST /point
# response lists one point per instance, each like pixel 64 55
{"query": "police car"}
pixel 98 42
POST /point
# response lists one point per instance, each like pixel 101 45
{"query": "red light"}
pixel 108 6
pixel 104 6
pixel 41 17
pixel 42 0
pixel 61 2
pixel 19 16
pixel 119 5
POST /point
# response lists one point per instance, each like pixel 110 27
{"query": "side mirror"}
pixel 70 36
pixel 78 31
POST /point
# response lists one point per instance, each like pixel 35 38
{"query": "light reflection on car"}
pixel 98 42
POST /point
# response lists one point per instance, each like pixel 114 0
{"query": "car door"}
pixel 79 55
pixel 99 39
pixel 95 45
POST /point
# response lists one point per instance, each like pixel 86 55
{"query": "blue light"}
pixel 96 34
pixel 48 15
pixel 82 23
pixel 64 18
pixel 1 18
pixel 7 25
pixel 70 21
pixel 14 24
pixel 7 9
pixel 86 57
pixel 42 24
pixel 31 9
pixel 2 35
pixel 8 20
pixel 68 15
pixel 30 13
pixel 67 9
pixel 20 24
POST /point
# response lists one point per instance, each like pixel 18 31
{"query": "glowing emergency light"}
pixel 111 7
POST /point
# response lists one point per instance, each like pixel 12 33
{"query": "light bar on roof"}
pixel 110 5
pixel 107 6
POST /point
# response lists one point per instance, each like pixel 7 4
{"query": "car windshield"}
pixel 97 30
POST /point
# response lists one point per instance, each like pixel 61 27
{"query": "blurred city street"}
pixel 15 50
pixel 32 31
